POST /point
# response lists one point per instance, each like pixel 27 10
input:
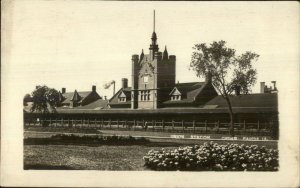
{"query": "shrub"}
pixel 214 157
pixel 98 139
pixel 87 140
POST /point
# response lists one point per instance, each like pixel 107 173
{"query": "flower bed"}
pixel 214 157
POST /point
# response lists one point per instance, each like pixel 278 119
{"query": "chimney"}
pixel 63 90
pixel 124 82
pixel 105 98
pixel 94 88
pixel 274 85
pixel 262 87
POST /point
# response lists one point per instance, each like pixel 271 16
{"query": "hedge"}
pixel 214 157
pixel 74 139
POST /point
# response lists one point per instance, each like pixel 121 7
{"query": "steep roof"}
pixel 252 103
pixel 96 105
pixel 189 91
pixel 258 100
pixel 126 91
pixel 69 96
pixel 75 96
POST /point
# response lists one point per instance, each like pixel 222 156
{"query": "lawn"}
pixel 104 157
pixel 74 157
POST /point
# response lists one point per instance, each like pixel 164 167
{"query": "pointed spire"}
pixel 154 21
pixel 153 46
pixel 154 37
pixel 165 54
pixel 142 55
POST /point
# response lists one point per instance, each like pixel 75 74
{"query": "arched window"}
pixel 145 95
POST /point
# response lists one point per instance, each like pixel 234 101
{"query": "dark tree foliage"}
pixel 229 71
pixel 27 98
pixel 45 99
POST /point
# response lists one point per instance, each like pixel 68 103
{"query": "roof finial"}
pixel 154 21
pixel 165 54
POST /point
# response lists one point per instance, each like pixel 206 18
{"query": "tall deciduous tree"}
pixel 228 71
pixel 44 99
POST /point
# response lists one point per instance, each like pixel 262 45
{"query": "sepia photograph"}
pixel 179 92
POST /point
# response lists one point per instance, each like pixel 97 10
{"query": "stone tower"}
pixel 152 74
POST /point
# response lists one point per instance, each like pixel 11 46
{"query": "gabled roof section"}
pixel 145 57
pixel 69 95
pixel 122 95
pixel 96 105
pixel 192 92
pixel 76 97
pixel 189 90
pixel 257 100
pixel 124 91
pixel 196 90
pixel 175 91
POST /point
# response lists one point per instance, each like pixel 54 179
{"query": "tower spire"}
pixel 154 21
pixel 153 46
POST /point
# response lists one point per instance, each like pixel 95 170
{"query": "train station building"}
pixel 154 94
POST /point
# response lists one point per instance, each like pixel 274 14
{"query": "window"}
pixel 122 99
pixel 145 79
pixel 176 97
pixel 145 95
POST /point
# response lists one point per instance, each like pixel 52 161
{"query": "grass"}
pixel 85 157
pixel 103 157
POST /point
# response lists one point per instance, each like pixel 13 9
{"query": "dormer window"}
pixel 122 99
pixel 176 97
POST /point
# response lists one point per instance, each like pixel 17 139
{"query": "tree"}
pixel 45 99
pixel 228 71
pixel 27 98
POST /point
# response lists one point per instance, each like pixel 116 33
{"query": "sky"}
pixel 77 44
